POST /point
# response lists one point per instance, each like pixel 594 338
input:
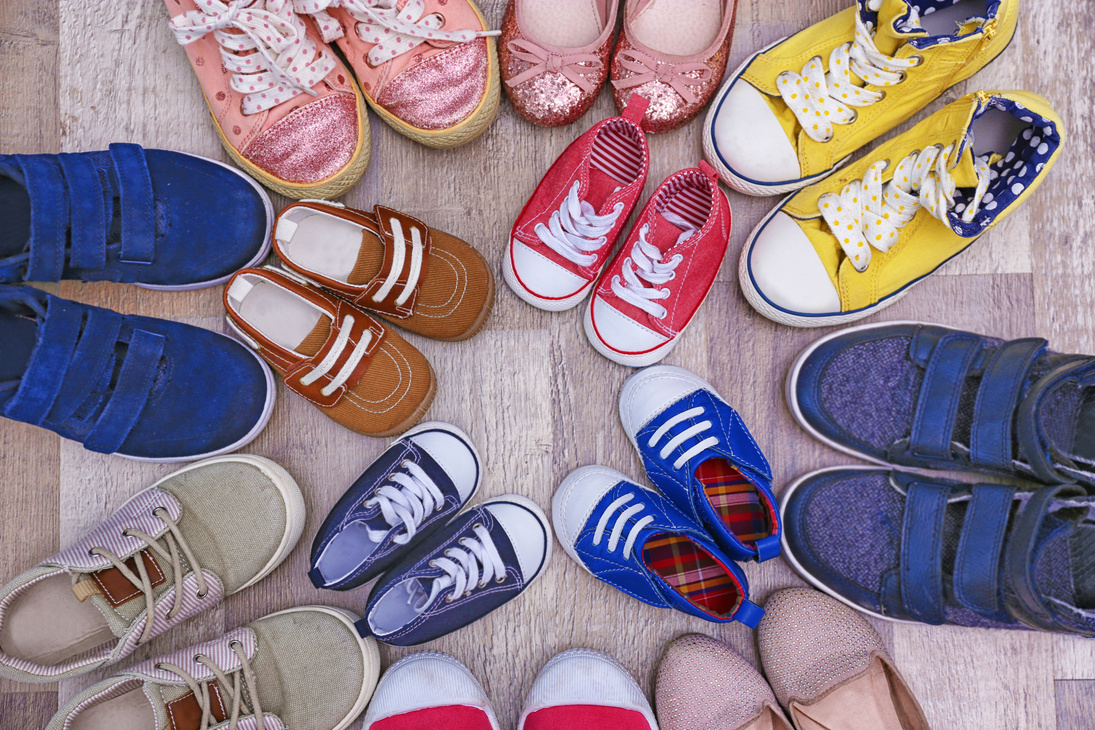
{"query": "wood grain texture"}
pixel 536 399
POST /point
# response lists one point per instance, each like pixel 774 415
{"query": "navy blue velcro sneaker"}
pixel 915 548
pixel 637 541
pixel 477 563
pixel 140 387
pixel 420 483
pixel 158 219
pixel 927 396
pixel 698 453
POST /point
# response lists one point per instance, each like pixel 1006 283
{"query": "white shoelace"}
pixel 819 100
pixel 395 31
pixel 332 357
pixel 692 432
pixel 398 261
pixel 621 522
pixel 406 501
pixel 646 264
pixel 264 45
pixel 474 566
pixel 867 214
pixel 575 231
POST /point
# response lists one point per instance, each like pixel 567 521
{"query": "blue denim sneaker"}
pixel 158 219
pixel 636 541
pixel 927 396
pixel 480 561
pixel 911 548
pixel 412 490
pixel 143 388
pixel 698 453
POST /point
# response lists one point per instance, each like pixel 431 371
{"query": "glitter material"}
pixel 312 143
pixel 551 99
pixel 441 90
pixel 703 683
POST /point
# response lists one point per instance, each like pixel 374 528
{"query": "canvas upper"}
pixel 636 541
pixel 162 219
pixel 429 689
pixel 477 563
pixel 855 242
pixel 927 396
pixel 200 534
pixel 654 287
pixel 569 227
pixel 698 452
pixel 300 669
pixel 797 110
pixel 140 387
pixel 409 492
pixel 908 547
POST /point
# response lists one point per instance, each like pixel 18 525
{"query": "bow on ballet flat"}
pixel 676 75
pixel 543 61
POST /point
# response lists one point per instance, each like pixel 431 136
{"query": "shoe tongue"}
pixel 315 339
pixel 896 23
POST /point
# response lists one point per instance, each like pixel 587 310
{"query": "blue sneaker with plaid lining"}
pixel 698 453
pixel 636 541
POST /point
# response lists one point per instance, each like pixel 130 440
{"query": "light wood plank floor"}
pixel 77 75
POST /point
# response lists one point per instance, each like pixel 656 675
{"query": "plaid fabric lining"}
pixel 735 499
pixel 690 571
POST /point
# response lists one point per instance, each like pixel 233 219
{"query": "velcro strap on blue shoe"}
pixel 130 395
pixel 58 334
pixel 980 549
pixel 922 551
pixel 49 216
pixel 749 613
pixel 940 395
pixel 768 547
pixel 89 212
pixel 1001 389
pixel 137 205
pixel 1028 429
pixel 92 363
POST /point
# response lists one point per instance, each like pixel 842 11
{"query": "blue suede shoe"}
pixel 698 453
pixel 636 541
pixel 480 561
pixel 143 388
pixel 412 490
pixel 927 396
pixel 905 547
pixel 158 219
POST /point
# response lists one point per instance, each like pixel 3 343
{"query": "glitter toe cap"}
pixel 442 90
pixel 311 144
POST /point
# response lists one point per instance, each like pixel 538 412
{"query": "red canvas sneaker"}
pixel 657 282
pixel 429 691
pixel 568 228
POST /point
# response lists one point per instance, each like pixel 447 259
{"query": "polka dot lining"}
pixel 918 8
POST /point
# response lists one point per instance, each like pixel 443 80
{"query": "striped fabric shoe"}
pixel 635 540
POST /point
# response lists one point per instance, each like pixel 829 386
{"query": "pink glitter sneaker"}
pixel 673 52
pixel 427 67
pixel 555 56
pixel 284 106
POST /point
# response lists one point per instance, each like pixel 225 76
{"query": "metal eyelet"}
pixel 919 60
pixel 500 579
pixel 198 658
pixel 854 119
pixel 478 524
pixel 202 595
pixel 449 599
pixel 233 643
pixel 881 94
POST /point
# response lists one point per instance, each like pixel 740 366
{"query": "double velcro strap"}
pixel 941 394
pixel 138 208
pixel 58 334
pixel 922 552
pixel 335 361
pixel 977 563
pixel 1002 387
pixel 394 291
pixel 49 215
pixel 138 373
pixel 88 229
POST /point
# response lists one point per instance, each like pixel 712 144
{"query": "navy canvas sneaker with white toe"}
pixel 636 541
pixel 480 561
pixel 698 453
pixel 413 489
pixel 139 387
pixel 155 218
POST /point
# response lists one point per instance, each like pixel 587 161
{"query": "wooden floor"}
pixel 76 75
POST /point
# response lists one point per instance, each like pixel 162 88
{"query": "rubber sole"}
pixel 638 360
pixel 548 305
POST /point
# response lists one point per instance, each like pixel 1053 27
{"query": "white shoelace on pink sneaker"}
pixel 645 266
pixel 575 231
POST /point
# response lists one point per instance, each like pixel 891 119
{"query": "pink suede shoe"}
pixel 285 107
pixel 673 52
pixel 555 56
pixel 427 67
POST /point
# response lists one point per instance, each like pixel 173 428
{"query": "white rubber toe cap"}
pixel 528 532
pixel 751 140
pixel 786 269
pixel 543 277
pixel 576 499
pixel 621 333
pixel 454 455
pixel 425 680
pixel 650 391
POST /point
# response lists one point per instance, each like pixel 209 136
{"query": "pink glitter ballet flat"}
pixel 428 68
pixel 673 53
pixel 284 106
pixel 555 56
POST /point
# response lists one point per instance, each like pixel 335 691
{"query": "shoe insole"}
pixel 692 572
pixel 678 27
pixel 331 246
pixel 946 21
pixel 281 316
pixel 130 711
pixel 735 500
pixel 564 23
pixel 866 703
pixel 46 624
pixel 15 213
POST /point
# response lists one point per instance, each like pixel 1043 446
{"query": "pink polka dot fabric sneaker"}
pixel 284 106
pixel 428 68
pixel 662 274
